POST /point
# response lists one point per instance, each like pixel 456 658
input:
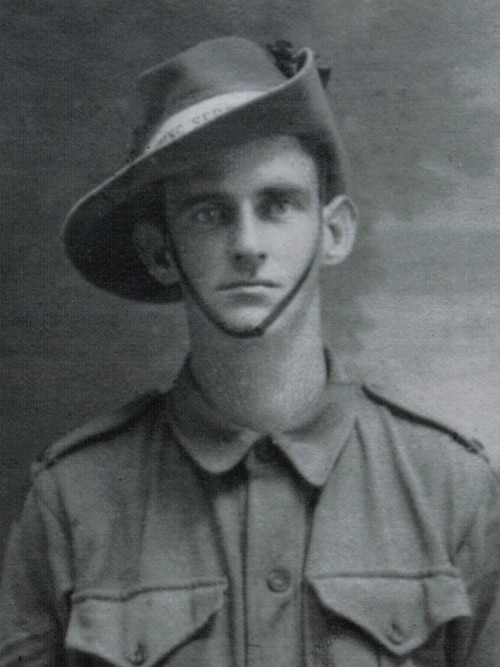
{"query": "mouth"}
pixel 249 285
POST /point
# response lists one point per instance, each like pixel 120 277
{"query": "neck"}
pixel 263 383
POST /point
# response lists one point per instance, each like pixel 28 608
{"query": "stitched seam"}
pixel 127 595
pixel 411 576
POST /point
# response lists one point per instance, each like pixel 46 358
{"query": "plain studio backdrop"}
pixel 416 89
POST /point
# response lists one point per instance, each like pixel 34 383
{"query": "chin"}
pixel 243 318
pixel 244 324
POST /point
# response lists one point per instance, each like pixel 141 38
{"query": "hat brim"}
pixel 98 230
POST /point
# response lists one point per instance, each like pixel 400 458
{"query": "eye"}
pixel 207 215
pixel 281 205
pixel 277 206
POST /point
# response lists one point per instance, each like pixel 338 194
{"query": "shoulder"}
pixel 100 429
pixel 402 410
pixel 442 467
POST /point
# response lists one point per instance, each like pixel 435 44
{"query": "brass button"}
pixel 139 655
pixel 279 580
pixel 396 634
pixel 264 450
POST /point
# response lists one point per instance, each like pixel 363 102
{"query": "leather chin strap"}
pixel 261 328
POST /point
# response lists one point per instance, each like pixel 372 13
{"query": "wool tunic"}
pixel 365 535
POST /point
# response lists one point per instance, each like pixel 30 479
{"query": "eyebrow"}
pixel 181 202
pixel 286 189
pixel 300 196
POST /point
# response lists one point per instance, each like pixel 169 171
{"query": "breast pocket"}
pixel 142 626
pixel 384 621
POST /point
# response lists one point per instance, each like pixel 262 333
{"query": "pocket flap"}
pixel 140 626
pixel 400 612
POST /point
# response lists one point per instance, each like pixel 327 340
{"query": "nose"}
pixel 247 251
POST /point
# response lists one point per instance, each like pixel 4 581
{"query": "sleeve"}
pixel 475 642
pixel 32 592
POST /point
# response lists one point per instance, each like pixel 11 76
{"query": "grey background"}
pixel 416 88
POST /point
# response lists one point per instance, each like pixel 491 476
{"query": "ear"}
pixel 151 244
pixel 339 230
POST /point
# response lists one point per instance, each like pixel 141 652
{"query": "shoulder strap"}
pixel 381 397
pixel 96 428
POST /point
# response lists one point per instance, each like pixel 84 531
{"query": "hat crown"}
pixel 210 69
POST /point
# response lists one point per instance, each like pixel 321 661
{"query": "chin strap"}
pixel 261 328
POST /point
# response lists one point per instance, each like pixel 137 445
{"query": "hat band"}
pixel 197 115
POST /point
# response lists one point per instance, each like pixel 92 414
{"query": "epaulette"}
pixel 381 397
pixel 95 429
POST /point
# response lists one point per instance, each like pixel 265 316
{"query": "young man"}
pixel 261 512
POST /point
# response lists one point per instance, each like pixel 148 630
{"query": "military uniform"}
pixel 365 536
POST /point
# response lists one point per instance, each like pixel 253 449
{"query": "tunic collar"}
pixel 217 446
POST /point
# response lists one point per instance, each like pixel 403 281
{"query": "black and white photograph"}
pixel 250 333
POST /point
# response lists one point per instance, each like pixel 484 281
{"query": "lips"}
pixel 242 284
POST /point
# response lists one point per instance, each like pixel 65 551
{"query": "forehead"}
pixel 271 160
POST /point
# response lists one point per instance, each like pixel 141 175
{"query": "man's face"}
pixel 244 227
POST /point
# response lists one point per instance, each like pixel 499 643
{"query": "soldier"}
pixel 261 512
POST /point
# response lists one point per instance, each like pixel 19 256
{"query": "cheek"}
pixel 298 245
pixel 199 258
